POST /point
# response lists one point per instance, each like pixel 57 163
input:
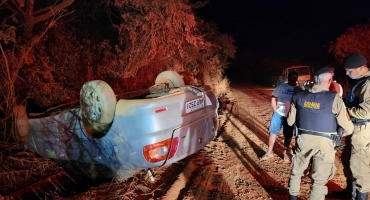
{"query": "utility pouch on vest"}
pixel 349 97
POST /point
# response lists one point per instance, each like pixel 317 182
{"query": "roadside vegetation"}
pixel 356 39
pixel 49 49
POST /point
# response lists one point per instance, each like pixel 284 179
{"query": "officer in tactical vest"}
pixel 317 113
pixel 358 107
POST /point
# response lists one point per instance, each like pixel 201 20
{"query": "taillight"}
pixel 160 110
pixel 159 151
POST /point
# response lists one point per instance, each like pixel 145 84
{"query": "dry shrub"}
pixel 20 168
pixel 56 71
pixel 9 66
pixel 222 88
pixel 219 83
pixel 152 37
pixel 127 189
pixel 144 79
pixel 356 39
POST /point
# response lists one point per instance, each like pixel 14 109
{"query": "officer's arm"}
pixel 342 117
pixel 363 110
pixel 291 114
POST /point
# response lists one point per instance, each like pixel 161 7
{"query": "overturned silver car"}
pixel 108 136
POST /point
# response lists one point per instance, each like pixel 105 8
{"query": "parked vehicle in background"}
pixel 108 135
pixel 304 74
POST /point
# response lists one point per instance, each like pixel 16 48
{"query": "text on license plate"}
pixel 194 105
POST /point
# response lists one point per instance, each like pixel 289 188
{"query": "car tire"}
pixel 170 78
pixel 98 105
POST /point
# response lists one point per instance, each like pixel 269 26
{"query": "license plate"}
pixel 193 105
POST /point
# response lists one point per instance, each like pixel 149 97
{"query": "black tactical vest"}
pixel 314 111
pixel 352 97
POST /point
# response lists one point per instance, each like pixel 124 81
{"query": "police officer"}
pixel 317 112
pixel 358 107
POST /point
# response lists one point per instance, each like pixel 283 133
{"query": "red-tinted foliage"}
pixel 356 39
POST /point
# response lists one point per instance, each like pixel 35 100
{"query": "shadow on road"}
pixel 275 189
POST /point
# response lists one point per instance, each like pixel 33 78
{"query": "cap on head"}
pixel 354 60
pixel 293 73
pixel 324 70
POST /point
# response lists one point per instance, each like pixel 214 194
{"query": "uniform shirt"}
pixel 306 141
pixel 362 111
pixel 284 93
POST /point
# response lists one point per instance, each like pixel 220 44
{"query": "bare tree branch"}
pixel 29 7
pixel 53 10
pixel 44 10
pixel 62 13
pixel 11 8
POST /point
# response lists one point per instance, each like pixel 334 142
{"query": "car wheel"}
pixel 170 79
pixel 98 104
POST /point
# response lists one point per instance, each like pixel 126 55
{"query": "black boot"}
pixel 291 197
pixel 361 196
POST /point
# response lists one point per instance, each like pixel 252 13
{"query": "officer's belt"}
pixel 330 136
pixel 359 122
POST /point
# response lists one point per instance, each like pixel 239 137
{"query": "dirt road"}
pixel 227 168
pixel 230 168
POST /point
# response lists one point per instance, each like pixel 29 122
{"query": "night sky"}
pixel 300 30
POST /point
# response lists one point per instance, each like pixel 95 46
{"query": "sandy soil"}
pixel 227 168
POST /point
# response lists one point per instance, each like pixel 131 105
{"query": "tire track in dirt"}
pixel 273 185
pixel 254 110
